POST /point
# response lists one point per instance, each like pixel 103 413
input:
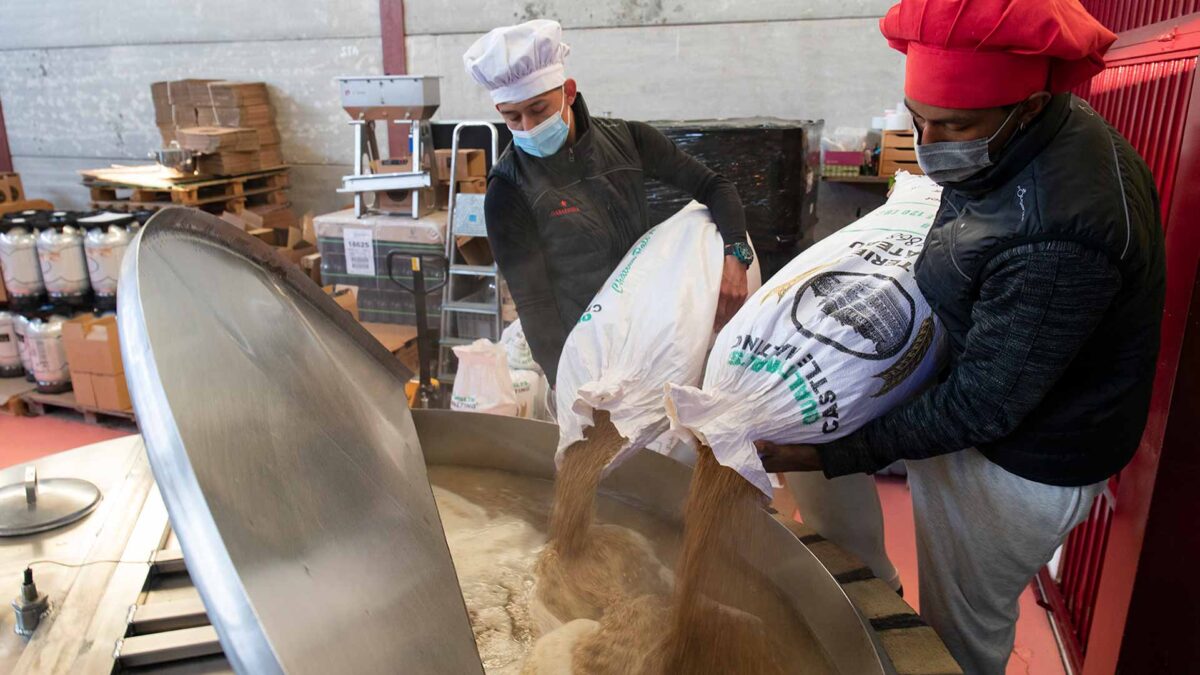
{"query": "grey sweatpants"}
pixel 982 535
pixel 846 511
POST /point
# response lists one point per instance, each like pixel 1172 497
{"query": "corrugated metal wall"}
pixel 1147 102
pixel 1122 15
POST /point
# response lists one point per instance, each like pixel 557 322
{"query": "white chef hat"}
pixel 519 62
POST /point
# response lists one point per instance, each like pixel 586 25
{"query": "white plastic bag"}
pixel 529 388
pixel 650 324
pixel 838 337
pixel 482 383
pixel 520 356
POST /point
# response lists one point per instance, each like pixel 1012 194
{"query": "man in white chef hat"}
pixel 567 199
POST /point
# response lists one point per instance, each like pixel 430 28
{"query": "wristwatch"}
pixel 742 251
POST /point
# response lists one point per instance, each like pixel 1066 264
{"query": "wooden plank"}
pixel 168 616
pixel 176 645
pixel 91 616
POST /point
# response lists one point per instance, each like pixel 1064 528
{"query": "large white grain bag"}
pixel 836 338
pixel 482 382
pixel 650 324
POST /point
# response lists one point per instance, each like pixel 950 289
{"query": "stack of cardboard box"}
pixel 94 358
pixel 471 170
pixel 199 114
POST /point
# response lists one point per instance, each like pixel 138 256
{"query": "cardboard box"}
pixel 92 345
pixel 186 92
pixel 244 116
pixel 228 163
pixel 205 117
pixel 209 140
pixel 277 216
pixel 267 235
pixel 102 392
pixel 85 393
pixel 270 156
pixel 11 189
pixel 469 186
pixel 471 164
pixel 472 186
pixel 232 94
pixel 346 297
pixel 112 393
pixel 400 201
pixel 159 94
pixel 267 134
pixel 184 116
pixel 164 114
pixel 475 250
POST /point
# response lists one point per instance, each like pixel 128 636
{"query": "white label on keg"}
pixel 360 251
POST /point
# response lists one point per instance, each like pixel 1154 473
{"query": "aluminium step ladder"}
pixel 466 219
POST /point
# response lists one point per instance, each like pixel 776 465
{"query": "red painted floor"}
pixel 1035 652
pixel 23 439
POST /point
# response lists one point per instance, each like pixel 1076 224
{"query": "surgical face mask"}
pixel 546 138
pixel 954 161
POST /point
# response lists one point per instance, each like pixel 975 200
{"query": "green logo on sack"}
pixel 618 284
pixel 587 315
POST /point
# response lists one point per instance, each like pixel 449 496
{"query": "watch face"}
pixel 743 252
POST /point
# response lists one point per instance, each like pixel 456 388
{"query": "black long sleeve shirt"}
pixel 513 234
pixel 1037 306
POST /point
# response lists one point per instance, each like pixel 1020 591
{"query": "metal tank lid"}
pixel 279 435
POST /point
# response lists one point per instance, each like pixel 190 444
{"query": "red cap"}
pixel 970 54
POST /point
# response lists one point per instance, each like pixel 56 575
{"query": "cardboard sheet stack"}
pixel 231 123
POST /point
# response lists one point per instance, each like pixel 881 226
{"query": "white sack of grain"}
pixel 650 324
pixel 838 337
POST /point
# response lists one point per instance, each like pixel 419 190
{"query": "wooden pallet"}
pixel 11 391
pixel 37 403
pixel 215 194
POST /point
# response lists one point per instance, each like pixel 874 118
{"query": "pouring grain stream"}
pixel 598 573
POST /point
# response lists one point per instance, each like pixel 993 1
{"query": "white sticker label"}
pixel 360 251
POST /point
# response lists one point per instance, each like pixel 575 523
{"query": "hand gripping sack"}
pixel 838 337
pixel 650 324
pixel 482 383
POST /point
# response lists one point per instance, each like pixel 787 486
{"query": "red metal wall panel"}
pixel 1148 103
pixel 5 155
pixel 393 35
pixel 1123 15
pixel 1149 92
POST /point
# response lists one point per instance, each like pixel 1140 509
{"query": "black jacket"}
pixel 559 225
pixel 1048 273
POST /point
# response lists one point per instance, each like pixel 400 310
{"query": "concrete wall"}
pixel 75 74
pixel 75 80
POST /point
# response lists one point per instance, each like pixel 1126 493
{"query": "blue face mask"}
pixel 546 138
pixel 954 161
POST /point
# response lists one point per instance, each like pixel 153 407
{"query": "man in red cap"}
pixel 1046 266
